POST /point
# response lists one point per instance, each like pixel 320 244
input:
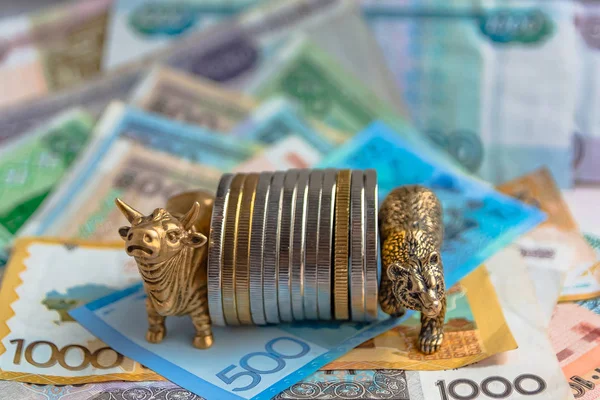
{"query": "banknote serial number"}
pixel 228 376
pixel 60 355
pixel 494 387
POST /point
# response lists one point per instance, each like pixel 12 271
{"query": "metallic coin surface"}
pixel 242 251
pixel 215 251
pixel 229 248
pixel 271 248
pixel 341 246
pixel 257 238
pixel 371 245
pixel 325 242
pixel 313 212
pixel 298 245
pixel 286 230
pixel 357 247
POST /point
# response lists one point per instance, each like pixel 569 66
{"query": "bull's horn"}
pixel 129 212
pixel 191 216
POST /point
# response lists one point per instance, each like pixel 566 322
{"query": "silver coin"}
pixel 324 252
pixel 271 248
pixel 257 238
pixel 298 245
pixel 313 216
pixel 286 231
pixel 371 245
pixel 357 247
pixel 215 251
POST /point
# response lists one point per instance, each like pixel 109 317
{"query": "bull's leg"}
pixel 432 331
pixel 201 321
pixel 156 324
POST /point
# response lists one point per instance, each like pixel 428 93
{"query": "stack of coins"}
pixel 293 246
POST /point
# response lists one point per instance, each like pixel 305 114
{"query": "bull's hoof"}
pixel 156 334
pixel 203 342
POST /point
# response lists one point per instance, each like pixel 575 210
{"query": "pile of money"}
pixel 296 118
pixel 293 246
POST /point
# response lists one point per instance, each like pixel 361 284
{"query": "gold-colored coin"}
pixel 229 250
pixel 242 251
pixel 341 246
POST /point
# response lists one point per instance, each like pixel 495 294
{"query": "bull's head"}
pixel 159 236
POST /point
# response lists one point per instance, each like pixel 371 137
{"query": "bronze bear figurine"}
pixel 411 231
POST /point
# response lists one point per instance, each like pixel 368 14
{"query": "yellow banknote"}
pixel 474 329
pixel 39 341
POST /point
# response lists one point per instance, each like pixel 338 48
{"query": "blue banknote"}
pixel 243 363
pixel 277 119
pixel 478 221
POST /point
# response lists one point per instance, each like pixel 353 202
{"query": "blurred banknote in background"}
pixel 477 79
pixel 33 164
pixel 50 50
pixel 137 28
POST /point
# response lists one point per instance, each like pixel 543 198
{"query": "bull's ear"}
pixel 124 231
pixel 195 239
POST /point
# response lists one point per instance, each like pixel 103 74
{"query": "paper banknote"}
pixel 584 282
pixel 192 99
pixel 138 156
pixel 137 28
pixel 474 330
pixel 587 137
pixel 556 250
pixel 485 89
pixel 32 164
pixel 574 335
pixel 278 118
pixel 116 390
pixel 478 221
pixel 39 341
pixel 50 50
pixel 205 103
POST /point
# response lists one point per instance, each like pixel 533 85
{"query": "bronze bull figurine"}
pixel 170 249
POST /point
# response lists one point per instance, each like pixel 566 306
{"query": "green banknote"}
pixel 33 164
